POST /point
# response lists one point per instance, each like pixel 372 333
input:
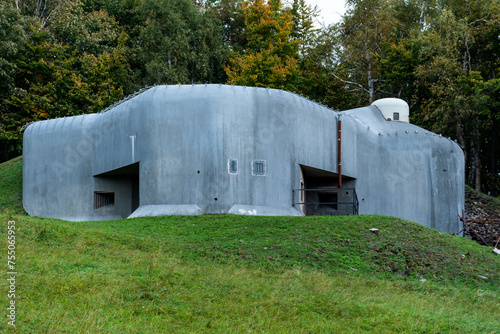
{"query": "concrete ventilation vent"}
pixel 102 199
pixel 393 109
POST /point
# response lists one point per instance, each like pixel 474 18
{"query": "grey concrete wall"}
pixel 57 169
pixel 408 172
pixel 182 138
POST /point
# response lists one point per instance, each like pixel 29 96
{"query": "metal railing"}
pixel 354 202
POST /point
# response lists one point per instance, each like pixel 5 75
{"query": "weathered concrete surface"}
pixel 166 210
pixel 258 210
pixel 407 169
pixel 173 146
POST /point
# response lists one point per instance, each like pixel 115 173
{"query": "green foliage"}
pixel 232 21
pixel 451 78
pixel 303 16
pixel 38 11
pixel 178 43
pixel 270 58
pixel 88 32
pixel 12 37
pixel 75 65
pixel 316 64
pixel 55 81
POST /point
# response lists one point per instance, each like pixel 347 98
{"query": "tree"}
pixel 232 21
pixel 455 76
pixel 178 43
pixel 40 11
pixel 365 30
pixel 12 38
pixel 74 65
pixel 303 30
pixel 91 32
pixel 55 81
pixel 270 58
pixel 317 64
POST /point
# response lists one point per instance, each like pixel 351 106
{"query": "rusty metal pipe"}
pixel 339 150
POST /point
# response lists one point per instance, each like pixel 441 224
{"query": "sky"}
pixel 330 10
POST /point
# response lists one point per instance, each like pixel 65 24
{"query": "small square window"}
pixel 395 116
pixel 259 167
pixel 232 166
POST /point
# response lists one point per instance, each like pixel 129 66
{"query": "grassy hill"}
pixel 239 274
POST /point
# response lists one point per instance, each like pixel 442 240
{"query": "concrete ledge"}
pixel 258 210
pixel 90 218
pixel 166 210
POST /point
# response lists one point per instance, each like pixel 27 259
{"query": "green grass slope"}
pixel 11 182
pixel 238 274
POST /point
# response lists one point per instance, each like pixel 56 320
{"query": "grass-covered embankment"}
pixel 237 274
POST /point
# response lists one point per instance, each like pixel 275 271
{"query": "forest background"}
pixel 62 58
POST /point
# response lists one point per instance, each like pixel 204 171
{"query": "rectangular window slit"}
pixel 102 199
pixel 233 166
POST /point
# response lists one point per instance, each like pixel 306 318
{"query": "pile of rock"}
pixel 483 220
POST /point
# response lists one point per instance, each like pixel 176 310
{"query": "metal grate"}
pixel 259 168
pixel 102 199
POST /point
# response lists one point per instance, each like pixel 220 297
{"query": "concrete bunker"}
pixel 193 149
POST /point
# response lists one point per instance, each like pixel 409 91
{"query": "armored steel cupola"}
pixel 393 109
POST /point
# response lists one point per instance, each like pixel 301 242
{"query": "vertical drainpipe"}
pixel 339 150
